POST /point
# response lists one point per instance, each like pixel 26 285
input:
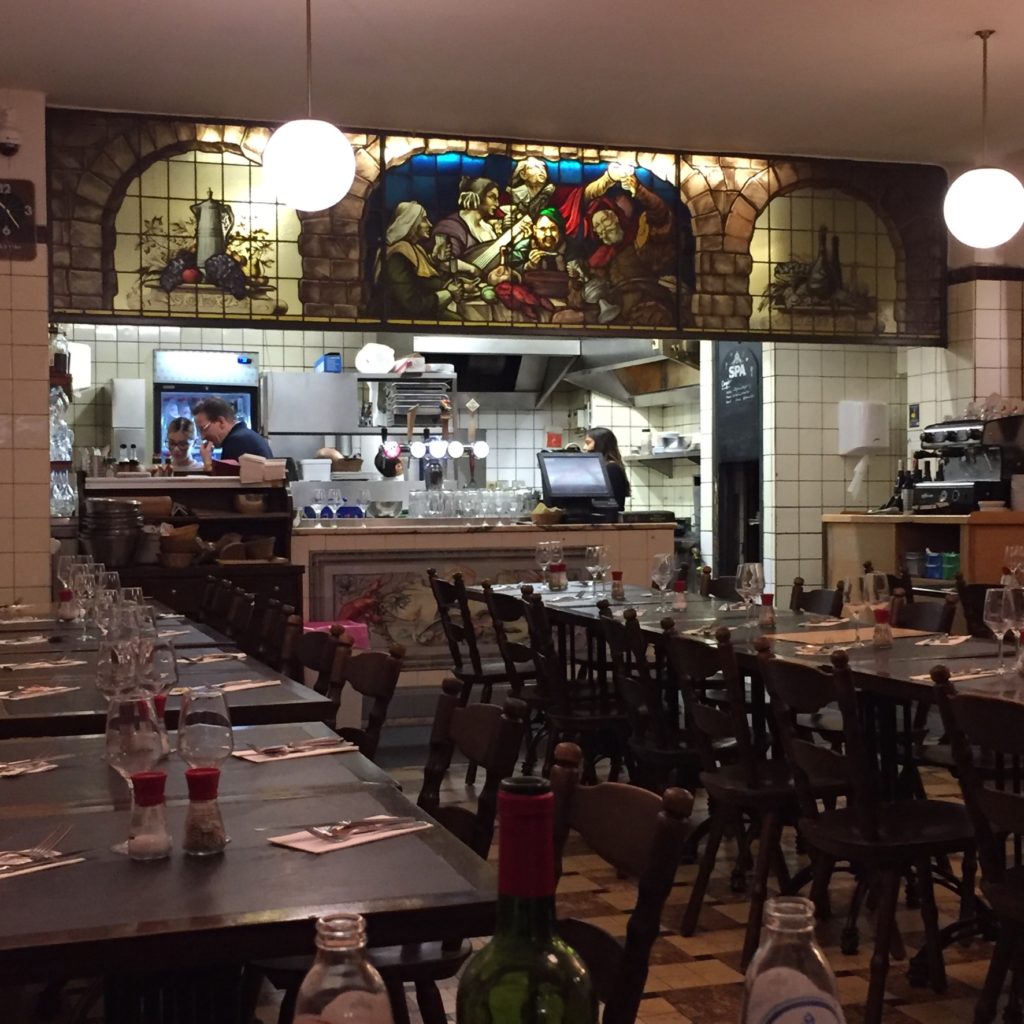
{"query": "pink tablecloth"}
pixel 357 630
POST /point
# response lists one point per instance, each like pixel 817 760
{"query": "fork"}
pixel 45 849
pixel 279 749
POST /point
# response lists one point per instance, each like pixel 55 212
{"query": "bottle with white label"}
pixel 789 981
pixel 342 986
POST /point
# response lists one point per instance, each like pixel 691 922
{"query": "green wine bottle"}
pixel 526 972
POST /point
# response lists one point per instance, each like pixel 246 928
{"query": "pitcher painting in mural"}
pixel 569 243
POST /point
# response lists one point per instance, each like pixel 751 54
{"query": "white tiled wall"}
pixel 804 477
pixel 24 375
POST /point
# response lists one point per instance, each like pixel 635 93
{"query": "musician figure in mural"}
pixel 410 281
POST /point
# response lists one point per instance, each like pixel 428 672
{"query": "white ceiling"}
pixel 871 79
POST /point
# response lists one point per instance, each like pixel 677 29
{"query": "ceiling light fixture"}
pixel 309 164
pixel 984 207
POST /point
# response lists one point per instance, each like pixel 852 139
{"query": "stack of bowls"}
pixel 110 529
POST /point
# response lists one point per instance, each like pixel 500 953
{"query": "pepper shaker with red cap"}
pixel 204 826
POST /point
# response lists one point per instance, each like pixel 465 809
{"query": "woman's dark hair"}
pixel 181 424
pixel 606 443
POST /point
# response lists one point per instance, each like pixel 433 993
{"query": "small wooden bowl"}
pixel 550 518
pixel 175 560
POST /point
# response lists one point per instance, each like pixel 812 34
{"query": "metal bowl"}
pixel 384 509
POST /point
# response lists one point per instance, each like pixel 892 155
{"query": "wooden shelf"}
pixel 216 517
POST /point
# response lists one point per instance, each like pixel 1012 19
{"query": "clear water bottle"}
pixel 342 986
pixel 789 981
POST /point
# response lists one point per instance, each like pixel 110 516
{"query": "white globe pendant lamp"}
pixel 984 207
pixel 309 164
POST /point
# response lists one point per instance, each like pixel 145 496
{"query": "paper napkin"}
pixel 18 666
pixel 969 673
pixel 942 641
pixel 28 869
pixel 23 641
pixel 229 687
pixel 25 692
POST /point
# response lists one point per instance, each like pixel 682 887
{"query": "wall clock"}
pixel 17 219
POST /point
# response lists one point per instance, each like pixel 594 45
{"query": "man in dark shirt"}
pixel 218 426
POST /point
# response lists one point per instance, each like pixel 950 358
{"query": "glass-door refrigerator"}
pixel 181 378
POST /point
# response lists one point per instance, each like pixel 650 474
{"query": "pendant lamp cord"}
pixel 309 59
pixel 983 35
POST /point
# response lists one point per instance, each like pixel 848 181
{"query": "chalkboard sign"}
pixel 738 430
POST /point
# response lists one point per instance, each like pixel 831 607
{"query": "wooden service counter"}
pixel 981 538
pixel 377 573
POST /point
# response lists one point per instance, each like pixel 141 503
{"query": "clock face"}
pixel 17 219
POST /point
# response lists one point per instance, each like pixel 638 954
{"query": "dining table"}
pixel 255 693
pixel 59 638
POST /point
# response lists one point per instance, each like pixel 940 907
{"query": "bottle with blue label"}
pixel 789 981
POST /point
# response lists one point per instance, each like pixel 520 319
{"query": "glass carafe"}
pixel 342 986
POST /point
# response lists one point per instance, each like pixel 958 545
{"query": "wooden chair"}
pixel 987 736
pixel 585 710
pixel 220 605
pixel 662 752
pixel 282 632
pixel 263 610
pixel 206 601
pixel 741 782
pixel 240 614
pixel 640 835
pixel 885 840
pixel 490 737
pixel 972 601
pixel 511 631
pixel 933 616
pixel 818 602
pixel 723 588
pixel 318 659
pixel 374 676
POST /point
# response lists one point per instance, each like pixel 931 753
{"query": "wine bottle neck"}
pixel 529 919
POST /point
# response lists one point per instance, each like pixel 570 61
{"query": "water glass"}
pixel 663 567
pixel 133 740
pixel 593 558
pixel 855 601
pixel 204 728
pixel 1015 619
pixel 876 590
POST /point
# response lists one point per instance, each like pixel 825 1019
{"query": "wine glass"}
pixel 542 556
pixel 876 590
pixel 556 551
pixel 855 601
pixel 204 728
pixel 663 567
pixel 604 566
pixel 363 500
pixel 994 616
pixel 1014 611
pixel 592 559
pixel 84 576
pixel 132 740
pixel 750 583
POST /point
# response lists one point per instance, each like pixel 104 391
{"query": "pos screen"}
pixel 573 475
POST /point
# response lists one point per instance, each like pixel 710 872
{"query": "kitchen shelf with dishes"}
pixel 187 528
pixel 665 461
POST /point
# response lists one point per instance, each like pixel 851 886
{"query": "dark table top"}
pixel 255 900
pixel 83 710
pixel 56 640
pixel 83 781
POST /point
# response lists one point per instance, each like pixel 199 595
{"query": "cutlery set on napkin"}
pixel 25 692
pixel 27 641
pixel 228 686
pixel 342 834
pixel 942 641
pixel 303 748
pixel 967 673
pixel 213 658
pixel 41 857
pixel 29 766
pixel 19 666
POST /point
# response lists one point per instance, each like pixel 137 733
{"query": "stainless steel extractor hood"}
pixel 522 372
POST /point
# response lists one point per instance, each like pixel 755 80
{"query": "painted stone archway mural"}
pixel 170 219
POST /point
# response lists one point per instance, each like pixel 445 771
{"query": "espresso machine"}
pixel 977 459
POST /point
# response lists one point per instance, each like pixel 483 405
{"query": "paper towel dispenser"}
pixel 863 427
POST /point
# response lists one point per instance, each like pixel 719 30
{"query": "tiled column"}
pixel 24 377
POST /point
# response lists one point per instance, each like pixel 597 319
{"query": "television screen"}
pixel 573 475
pixel 178 403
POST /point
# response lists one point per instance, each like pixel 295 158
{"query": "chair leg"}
pixel 888 894
pixel 968 900
pixel 428 999
pixel 287 1011
pixel 767 849
pixel 707 865
pixel 930 916
pixel 999 965
pixel 823 868
pixel 849 938
pixel 396 996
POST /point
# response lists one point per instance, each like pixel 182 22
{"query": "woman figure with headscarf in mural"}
pixel 635 232
pixel 411 281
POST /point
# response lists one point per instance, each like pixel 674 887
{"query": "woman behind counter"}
pixel 602 440
pixel 181 433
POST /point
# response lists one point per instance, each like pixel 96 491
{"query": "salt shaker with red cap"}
pixel 148 838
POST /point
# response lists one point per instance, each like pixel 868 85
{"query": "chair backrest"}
pixel 972 600
pixel 723 588
pixel 552 681
pixel 210 588
pixel 489 737
pixel 639 834
pixel 373 675
pixel 819 602
pixel 280 636
pixel 322 654
pixel 987 738
pixel 264 612
pixel 691 664
pixel 508 620
pixel 456 621
pixel 220 605
pixel 797 690
pixel 934 616
pixel 900 580
pixel 635 674
pixel 240 613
